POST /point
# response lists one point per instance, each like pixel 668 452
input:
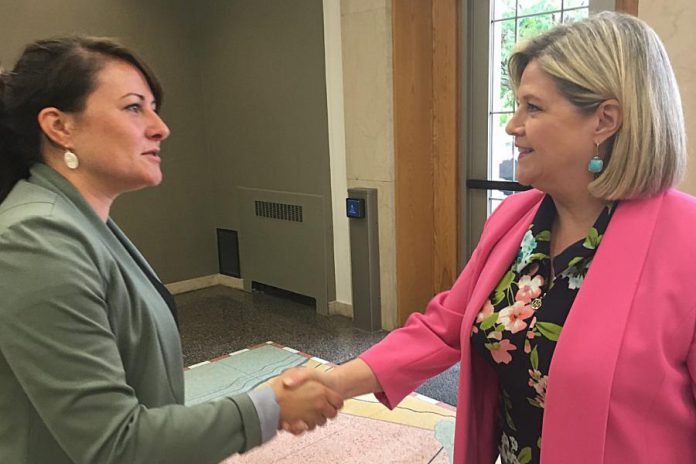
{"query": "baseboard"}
pixel 198 283
pixel 229 281
pixel 339 308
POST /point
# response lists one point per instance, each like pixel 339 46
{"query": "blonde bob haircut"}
pixel 613 55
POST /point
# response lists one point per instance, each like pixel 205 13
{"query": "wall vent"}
pixel 228 252
pixel 282 211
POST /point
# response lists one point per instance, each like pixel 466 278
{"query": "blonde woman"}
pixel 574 318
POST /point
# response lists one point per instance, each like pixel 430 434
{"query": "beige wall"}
pixel 369 128
pixel 245 99
pixel 264 99
pixel 265 127
pixel 674 21
pixel 333 56
pixel 171 223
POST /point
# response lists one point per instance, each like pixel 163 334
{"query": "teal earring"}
pixel 596 164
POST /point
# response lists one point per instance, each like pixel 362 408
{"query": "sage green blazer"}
pixel 90 358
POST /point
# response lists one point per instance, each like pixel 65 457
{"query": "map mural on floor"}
pixel 418 430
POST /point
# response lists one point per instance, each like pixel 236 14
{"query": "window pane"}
pixel 535 25
pixel 495 198
pixel 503 40
pixel 525 7
pixel 575 15
pixel 575 3
pixel 506 29
pixel 504 8
pixel 501 162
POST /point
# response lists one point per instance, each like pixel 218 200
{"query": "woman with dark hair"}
pixel 90 358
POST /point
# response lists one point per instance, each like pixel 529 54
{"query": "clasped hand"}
pixel 307 398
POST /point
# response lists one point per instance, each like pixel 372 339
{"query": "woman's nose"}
pixel 158 129
pixel 513 127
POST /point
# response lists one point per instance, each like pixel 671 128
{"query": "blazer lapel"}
pixel 478 395
pixel 503 244
pixel 148 296
pixel 110 234
pixel 580 378
pixel 130 248
pixel 498 246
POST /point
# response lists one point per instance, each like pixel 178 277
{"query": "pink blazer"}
pixel 621 386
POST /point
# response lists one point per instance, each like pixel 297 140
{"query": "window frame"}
pixel 475 130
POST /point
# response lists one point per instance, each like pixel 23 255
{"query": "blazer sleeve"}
pixel 430 343
pixel 427 344
pixel 55 337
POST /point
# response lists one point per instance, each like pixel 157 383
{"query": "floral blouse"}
pixel 519 325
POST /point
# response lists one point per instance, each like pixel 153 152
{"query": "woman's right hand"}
pixel 305 405
pixel 348 380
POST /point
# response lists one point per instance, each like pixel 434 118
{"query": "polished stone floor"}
pixel 220 320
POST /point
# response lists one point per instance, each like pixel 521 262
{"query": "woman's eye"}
pixel 532 108
pixel 135 107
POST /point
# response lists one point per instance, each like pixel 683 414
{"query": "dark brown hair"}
pixel 60 73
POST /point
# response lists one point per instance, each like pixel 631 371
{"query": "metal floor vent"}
pixel 282 211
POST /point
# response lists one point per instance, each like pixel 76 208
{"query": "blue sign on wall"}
pixel 355 207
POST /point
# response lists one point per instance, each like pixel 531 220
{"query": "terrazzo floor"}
pixel 220 320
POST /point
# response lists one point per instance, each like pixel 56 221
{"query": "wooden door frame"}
pixel 627 6
pixel 426 95
pixel 427 118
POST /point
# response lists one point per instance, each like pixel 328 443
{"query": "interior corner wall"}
pixel 674 22
pixel 172 224
pixel 245 98
pixel 333 56
pixel 264 93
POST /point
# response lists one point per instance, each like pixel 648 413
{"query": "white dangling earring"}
pixel 71 160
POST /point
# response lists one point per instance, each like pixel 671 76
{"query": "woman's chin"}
pixel 146 182
pixel 523 180
pixel 154 179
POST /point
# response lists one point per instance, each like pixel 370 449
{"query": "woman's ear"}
pixel 609 119
pixel 57 126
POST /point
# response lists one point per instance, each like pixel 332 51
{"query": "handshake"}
pixel 307 398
